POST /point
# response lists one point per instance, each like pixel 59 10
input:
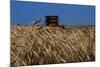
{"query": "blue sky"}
pixel 25 12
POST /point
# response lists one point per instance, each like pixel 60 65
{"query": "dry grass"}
pixel 36 45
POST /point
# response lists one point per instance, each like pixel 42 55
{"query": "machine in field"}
pixel 52 21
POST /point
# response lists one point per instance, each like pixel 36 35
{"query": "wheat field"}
pixel 33 45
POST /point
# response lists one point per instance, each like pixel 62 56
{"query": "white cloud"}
pixel 82 2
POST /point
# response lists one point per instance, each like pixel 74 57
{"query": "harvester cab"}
pixel 51 21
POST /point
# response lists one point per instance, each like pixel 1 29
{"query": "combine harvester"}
pixel 50 21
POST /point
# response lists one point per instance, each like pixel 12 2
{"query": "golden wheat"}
pixel 45 45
